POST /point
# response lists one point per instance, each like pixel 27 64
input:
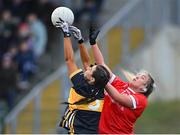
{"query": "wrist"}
pixel 93 42
pixel 81 41
pixel 66 34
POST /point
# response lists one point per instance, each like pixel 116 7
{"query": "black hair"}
pixel 101 75
pixel 150 86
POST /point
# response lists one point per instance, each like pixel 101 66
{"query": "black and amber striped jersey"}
pixel 85 105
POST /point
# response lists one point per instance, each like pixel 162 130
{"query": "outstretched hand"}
pixel 64 27
pixel 76 33
pixel 93 35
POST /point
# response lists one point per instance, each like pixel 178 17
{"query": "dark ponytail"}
pixel 101 76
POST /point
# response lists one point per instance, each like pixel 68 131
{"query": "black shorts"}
pixel 81 122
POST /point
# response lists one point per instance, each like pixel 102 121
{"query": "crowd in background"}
pixel 27 34
pixel 23 39
pixel 25 29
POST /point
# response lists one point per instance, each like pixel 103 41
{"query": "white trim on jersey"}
pixel 133 101
pixel 112 78
pixel 131 90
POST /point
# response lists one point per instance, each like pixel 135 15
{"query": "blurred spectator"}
pixel 8 80
pixel 23 36
pixel 39 34
pixel 44 11
pixel 24 33
pixel 26 64
pixel 17 6
pixel 13 51
pixel 7 31
pixel 6 4
pixel 1 5
pixel 89 10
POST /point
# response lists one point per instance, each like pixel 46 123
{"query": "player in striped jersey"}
pixel 86 96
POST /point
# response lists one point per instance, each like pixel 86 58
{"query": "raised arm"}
pixel 99 59
pixel 96 51
pixel 69 56
pixel 83 50
pixel 68 50
pixel 84 56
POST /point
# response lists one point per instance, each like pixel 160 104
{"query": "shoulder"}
pixel 114 79
pixel 75 73
pixel 139 100
pixel 119 84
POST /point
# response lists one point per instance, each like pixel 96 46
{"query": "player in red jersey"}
pixel 124 102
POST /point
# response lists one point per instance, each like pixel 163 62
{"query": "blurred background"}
pixel 135 34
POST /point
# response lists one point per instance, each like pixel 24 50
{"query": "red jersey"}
pixel 118 119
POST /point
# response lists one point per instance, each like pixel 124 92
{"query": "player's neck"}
pixel 133 88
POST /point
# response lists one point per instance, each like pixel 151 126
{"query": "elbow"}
pixel 116 99
pixel 67 60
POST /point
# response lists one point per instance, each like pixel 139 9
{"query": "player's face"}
pixel 140 80
pixel 88 73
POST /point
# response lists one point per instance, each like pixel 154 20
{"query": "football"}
pixel 64 14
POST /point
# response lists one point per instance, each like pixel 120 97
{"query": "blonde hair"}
pixel 129 75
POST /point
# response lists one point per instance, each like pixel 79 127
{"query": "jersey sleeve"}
pixel 76 77
pixel 80 85
pixel 112 78
pixel 118 83
pixel 139 101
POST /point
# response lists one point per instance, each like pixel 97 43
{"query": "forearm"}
pixel 68 51
pixel 84 55
pixel 99 59
pixel 122 99
pixel 69 56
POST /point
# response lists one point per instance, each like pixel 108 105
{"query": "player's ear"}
pixel 92 80
pixel 144 88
